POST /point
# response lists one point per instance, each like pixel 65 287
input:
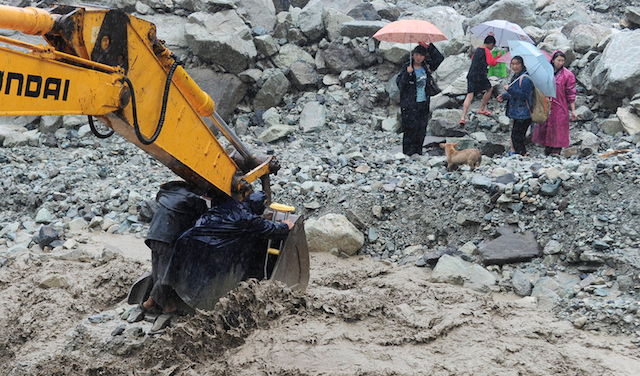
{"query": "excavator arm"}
pixel 105 63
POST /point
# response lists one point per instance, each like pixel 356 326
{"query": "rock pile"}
pixel 305 80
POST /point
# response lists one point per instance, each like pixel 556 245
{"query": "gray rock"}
pixel 259 12
pixel 226 90
pixel 50 124
pixel 521 283
pixel 338 57
pixel 552 247
pixel 454 270
pixel 443 127
pixel 333 20
pixel 629 120
pixel 221 38
pixel 313 117
pixel 611 126
pixel 354 29
pixel 509 248
pixel 44 216
pixel 585 37
pixel 290 53
pixel 617 74
pixel 265 45
pixel 54 281
pixel 276 132
pixel 303 75
pixel 447 20
pixel 521 12
pixel 333 231
pixel 480 181
pixel 365 12
pixel 311 20
pixel 272 91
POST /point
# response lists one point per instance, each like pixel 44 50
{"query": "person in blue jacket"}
pixel 518 96
pixel 414 100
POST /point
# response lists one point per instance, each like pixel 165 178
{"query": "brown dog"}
pixel 456 158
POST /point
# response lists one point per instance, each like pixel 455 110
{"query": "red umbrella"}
pixel 410 31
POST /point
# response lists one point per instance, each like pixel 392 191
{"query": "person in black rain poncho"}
pixel 414 100
pixel 227 245
pixel 179 207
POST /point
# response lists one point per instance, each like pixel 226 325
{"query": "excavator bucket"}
pixel 202 272
pixel 292 265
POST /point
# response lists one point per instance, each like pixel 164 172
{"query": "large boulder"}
pixel 311 20
pixel 170 29
pixel 521 12
pixel 586 37
pixel 358 28
pixel 617 74
pixel 221 38
pixel 338 57
pixel 226 90
pixel 394 52
pixel 450 69
pixel 447 20
pixel 344 6
pixel 303 75
pixel 272 91
pixel 259 12
pixel 333 20
pixel 333 231
pixel 313 117
pixel 290 53
pixel 630 121
pixel 454 270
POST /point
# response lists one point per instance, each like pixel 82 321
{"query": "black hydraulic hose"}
pixel 165 98
pixel 95 131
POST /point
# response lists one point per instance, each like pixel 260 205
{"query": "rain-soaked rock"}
pixel 509 247
pixel 333 231
pixel 521 283
pixel 46 235
pixel 455 271
pixel 490 149
pixel 54 281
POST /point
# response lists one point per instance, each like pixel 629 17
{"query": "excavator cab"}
pixel 110 66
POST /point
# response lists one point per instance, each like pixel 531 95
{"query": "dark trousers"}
pixel 518 134
pixel 160 256
pixel 414 124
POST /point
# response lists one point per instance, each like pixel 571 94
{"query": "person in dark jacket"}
pixel 178 209
pixel 518 95
pixel 414 101
pixel 227 245
pixel 477 80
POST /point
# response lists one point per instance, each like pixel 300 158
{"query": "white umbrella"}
pixel 538 67
pixel 502 30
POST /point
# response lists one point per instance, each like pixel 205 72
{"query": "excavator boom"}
pixel 106 64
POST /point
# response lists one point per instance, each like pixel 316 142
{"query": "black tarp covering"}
pixel 227 245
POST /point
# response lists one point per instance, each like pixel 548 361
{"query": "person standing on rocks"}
pixel 477 80
pixel 518 95
pixel 414 100
pixel 553 134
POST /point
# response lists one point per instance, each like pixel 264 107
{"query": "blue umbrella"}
pixel 538 67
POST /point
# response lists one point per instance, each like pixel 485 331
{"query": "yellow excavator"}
pixel 106 64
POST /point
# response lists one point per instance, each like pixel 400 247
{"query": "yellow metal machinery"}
pixel 106 64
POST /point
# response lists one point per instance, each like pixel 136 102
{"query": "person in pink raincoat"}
pixel 553 134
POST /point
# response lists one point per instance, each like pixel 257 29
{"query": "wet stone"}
pixel 509 248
